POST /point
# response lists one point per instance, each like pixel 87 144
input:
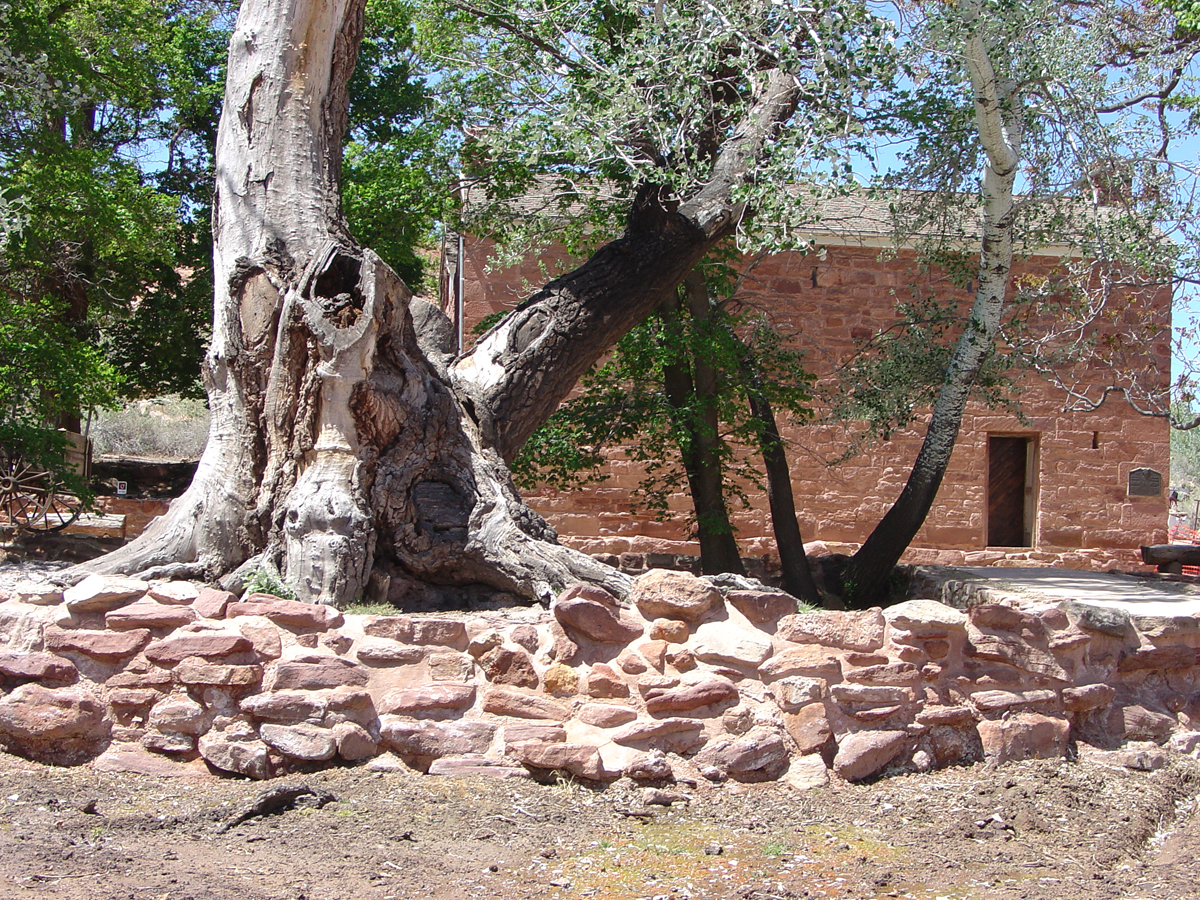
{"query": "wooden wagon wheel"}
pixel 62 508
pixel 24 494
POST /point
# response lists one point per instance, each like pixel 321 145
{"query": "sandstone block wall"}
pixel 1085 516
pixel 688 681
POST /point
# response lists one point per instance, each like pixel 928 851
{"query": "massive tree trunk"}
pixel 348 449
pixel 999 121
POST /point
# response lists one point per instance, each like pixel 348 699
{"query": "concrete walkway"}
pixel 1139 596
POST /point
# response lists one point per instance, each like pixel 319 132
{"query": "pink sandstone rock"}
pixel 604 683
pixel 796 691
pixel 451 665
pixel 631 662
pixel 725 643
pixel 197 671
pixel 484 641
pixel 180 714
pixel 475 765
pixel 209 645
pixel 866 753
pixel 349 698
pixel 386 652
pixel 337 642
pixel 605 715
pixel 212 603
pixel 672 735
pixel 805 773
pixel 132 698
pixel 655 653
pixel 510 701
pixel 507 665
pixel 672 631
pixel 925 618
pixel 580 760
pixel 168 741
pixel 1015 649
pixel 758 755
pixel 248 757
pixel 396 628
pixel 1136 723
pixel 546 732
pixel 1156 628
pixel 354 743
pixel 808 728
pixel 809 660
pixel 662 593
pixel 99 644
pixel 851 630
pixel 946 715
pixel 849 695
pixel 432 698
pixel 137 760
pixel 761 607
pixel 150 677
pixel 1147 658
pixel 592 592
pixel 149 614
pixel 100 593
pixel 37 593
pixel 1087 697
pixel 1024 736
pixel 1004 701
pixel 441 632
pixel 420 741
pixel 21 667
pixel 177 592
pixel 525 637
pixel 301 741
pixel 709 691
pixel 595 621
pixel 890 673
pixel 562 648
pixel 650 767
pixel 681 659
pixel 264 636
pixel 63 726
pixel 287 707
pixel 316 672
pixel 289 613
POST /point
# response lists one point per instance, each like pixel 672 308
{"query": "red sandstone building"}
pixel 1079 489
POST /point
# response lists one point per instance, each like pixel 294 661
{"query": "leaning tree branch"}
pixel 519 372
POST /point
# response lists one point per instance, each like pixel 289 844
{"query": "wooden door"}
pixel 1009 516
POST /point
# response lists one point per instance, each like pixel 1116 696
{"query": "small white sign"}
pixel 122 488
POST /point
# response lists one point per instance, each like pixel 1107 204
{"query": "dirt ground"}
pixel 1041 830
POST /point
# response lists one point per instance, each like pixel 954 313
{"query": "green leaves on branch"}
pixel 624 410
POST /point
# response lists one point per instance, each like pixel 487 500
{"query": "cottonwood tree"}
pixel 346 439
pixel 1060 112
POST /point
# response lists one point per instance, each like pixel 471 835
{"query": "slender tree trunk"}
pixel 690 383
pixel 998 118
pixel 345 449
pixel 797 574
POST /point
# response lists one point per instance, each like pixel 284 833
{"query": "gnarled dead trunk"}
pixel 346 451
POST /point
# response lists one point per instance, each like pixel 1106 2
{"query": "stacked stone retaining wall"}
pixel 684 681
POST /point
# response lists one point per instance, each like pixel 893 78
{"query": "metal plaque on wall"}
pixel 1145 483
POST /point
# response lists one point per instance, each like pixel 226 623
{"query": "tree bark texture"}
pixel 999 123
pixel 690 384
pixel 793 561
pixel 347 450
